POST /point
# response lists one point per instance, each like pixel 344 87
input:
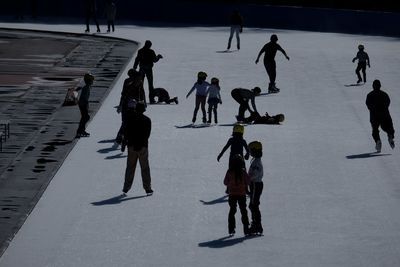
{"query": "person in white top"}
pixel 214 98
pixel 201 87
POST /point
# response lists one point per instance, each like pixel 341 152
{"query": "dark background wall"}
pixel 370 17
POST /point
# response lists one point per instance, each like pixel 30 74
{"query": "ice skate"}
pixel 232 233
pixel 378 146
pixel 149 192
pixel 391 142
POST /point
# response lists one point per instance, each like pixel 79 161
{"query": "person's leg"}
pixel 358 69
pixel 230 38
pixel 87 18
pixel 375 130
pixel 84 109
pixel 231 216
pixel 237 30
pixel 215 112
pixel 209 112
pixel 149 75
pixel 196 108
pixel 363 69
pixel 130 169
pixel 145 168
pixel 243 211
pixel 255 194
pixel 203 108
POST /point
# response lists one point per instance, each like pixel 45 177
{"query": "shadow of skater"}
pixel 115 200
pixel 366 155
pixel 219 200
pixel 224 242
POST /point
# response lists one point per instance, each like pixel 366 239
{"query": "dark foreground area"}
pixel 36 69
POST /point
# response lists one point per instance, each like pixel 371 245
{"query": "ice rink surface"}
pixel 328 199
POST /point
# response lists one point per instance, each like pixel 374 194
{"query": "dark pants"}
pixel 256 189
pixel 212 107
pixel 200 101
pixel 91 14
pixel 133 156
pixel 84 109
pixel 385 123
pixel 110 23
pixel 362 66
pixel 233 201
pixel 148 73
pixel 270 67
pixel 244 104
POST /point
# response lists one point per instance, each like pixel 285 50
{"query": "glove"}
pixel 159 56
pixel 220 102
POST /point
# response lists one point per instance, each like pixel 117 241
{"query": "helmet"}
pixel 88 78
pixel 360 46
pixel 214 80
pixel 238 128
pixel 255 145
pixel 201 75
pixel 257 90
pixel 274 38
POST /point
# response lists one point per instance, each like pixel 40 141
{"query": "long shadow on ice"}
pixel 366 155
pixel 216 201
pixel 223 242
pixel 115 200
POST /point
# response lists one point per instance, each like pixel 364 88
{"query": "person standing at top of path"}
pixel 111 11
pixel 145 59
pixel 83 104
pixel 91 12
pixel 236 23
pixel 269 50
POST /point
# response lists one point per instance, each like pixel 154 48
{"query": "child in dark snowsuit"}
pixel 237 143
pixel 256 172
pixel 237 180
pixel 363 62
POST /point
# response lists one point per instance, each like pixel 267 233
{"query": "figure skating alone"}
pixel 363 62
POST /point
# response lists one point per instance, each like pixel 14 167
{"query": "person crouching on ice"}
pixel 237 180
pixel 163 96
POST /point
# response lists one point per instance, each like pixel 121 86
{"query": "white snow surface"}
pixel 326 201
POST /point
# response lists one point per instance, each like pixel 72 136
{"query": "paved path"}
pixel 36 69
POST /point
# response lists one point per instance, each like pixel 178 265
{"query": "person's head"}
pixel 201 76
pixel 376 85
pixel 256 90
pixel 215 81
pixel 88 78
pixel 140 107
pixel 147 44
pixel 238 130
pixel 274 38
pixel 360 47
pixel 132 73
pixel 255 148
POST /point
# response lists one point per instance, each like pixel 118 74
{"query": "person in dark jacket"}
pixel 163 96
pixel 83 104
pixel 378 103
pixel 269 51
pixel 145 59
pixel 132 93
pixel 91 12
pixel 236 23
pixel 137 132
pixel 243 96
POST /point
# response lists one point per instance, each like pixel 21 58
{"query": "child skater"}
pixel 256 172
pixel 83 104
pixel 201 87
pixel 363 61
pixel 214 98
pixel 236 143
pixel 237 180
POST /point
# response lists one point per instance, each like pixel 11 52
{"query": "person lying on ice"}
pixel 163 96
pixel 255 118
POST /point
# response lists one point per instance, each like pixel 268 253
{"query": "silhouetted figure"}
pixel 132 93
pixel 137 132
pixel 243 96
pixel 163 96
pixel 111 11
pixel 145 59
pixel 214 98
pixel 269 51
pixel 91 12
pixel 378 103
pixel 83 104
pixel 236 23
pixel 363 61
pixel 19 9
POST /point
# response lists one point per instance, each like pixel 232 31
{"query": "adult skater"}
pixel 83 104
pixel 236 23
pixel 163 96
pixel 91 12
pixel 243 96
pixel 111 11
pixel 145 59
pixel 378 103
pixel 137 132
pixel 269 51
pixel 363 62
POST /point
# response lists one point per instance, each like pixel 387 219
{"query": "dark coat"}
pixel 138 129
pixel 378 103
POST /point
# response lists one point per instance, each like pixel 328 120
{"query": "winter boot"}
pixel 391 142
